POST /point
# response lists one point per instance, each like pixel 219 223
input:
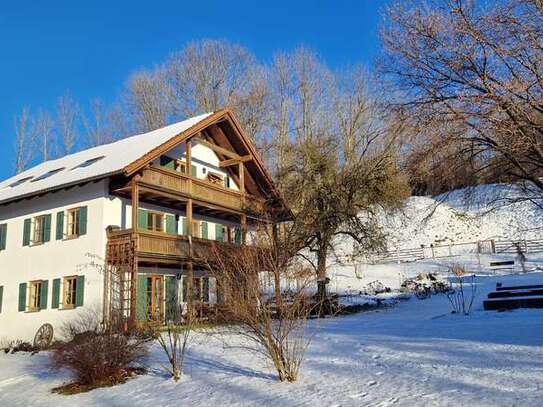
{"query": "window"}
pixel 73 222
pixel 89 162
pixel 48 174
pixel 196 228
pixel 155 221
pixel 20 181
pixel 39 229
pixel 215 178
pixel 200 289
pixel 69 292
pixel 34 295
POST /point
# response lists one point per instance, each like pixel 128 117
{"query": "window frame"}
pixel 151 221
pixel 75 223
pixel 34 290
pixel 38 220
pixel 72 291
pixel 215 178
pixel 196 228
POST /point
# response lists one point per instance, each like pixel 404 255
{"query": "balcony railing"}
pixel 163 244
pixel 202 190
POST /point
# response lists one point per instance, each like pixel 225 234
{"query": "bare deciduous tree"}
pixel 275 326
pixel 67 114
pixel 473 71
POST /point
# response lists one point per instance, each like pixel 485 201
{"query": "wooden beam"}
pixel 234 161
pixel 135 202
pixel 241 171
pixel 216 148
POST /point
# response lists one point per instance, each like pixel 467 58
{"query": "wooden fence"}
pixel 456 249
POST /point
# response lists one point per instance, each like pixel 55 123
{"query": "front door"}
pixel 155 298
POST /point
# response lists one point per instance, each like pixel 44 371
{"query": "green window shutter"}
pixel 167 162
pixel 22 297
pixel 1 297
pixel 82 215
pixel 237 237
pixel 171 225
pixel 3 236
pixel 185 288
pixel 43 294
pixel 218 232
pixel 26 231
pixel 205 289
pixel 185 227
pixel 171 297
pixel 47 228
pixel 141 298
pixel 79 291
pixel 227 181
pixel 60 225
pixel 143 219
pixel 193 170
pixel 204 230
pixel 55 301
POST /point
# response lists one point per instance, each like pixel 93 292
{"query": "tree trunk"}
pixel 322 279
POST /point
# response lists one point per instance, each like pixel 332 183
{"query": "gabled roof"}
pixel 125 156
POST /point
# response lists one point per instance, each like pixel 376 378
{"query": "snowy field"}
pixel 414 354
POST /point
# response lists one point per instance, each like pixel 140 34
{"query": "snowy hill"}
pixel 457 217
pixel 463 216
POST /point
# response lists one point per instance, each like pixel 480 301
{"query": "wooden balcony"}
pixel 200 190
pixel 157 245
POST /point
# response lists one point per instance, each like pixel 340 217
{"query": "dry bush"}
pixel 273 324
pixel 462 291
pixel 96 356
pixel 176 338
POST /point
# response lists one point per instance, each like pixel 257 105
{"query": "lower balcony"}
pixel 157 246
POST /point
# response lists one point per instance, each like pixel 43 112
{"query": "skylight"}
pixel 89 162
pixel 47 174
pixel 20 181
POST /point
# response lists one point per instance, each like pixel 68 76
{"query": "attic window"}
pixel 89 162
pixel 48 174
pixel 20 181
pixel 215 178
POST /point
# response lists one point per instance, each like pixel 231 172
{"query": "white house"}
pixel 125 227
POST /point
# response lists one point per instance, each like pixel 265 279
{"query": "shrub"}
pixel 97 356
pixel 461 293
pixel 19 346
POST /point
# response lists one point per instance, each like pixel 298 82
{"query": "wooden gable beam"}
pixel 218 135
pixel 235 161
pixel 216 148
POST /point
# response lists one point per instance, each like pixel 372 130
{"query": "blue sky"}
pixel 90 48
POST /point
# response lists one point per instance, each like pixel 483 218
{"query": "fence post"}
pixel 525 246
pixel 450 250
pixel 398 254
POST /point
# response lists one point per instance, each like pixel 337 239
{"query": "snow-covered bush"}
pixel 425 284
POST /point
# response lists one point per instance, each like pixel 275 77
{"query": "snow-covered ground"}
pixel 413 354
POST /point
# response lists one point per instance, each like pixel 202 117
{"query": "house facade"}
pixel 128 229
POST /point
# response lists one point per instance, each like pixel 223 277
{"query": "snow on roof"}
pixel 90 164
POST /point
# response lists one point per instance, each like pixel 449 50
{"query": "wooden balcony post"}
pixel 241 177
pixel 134 271
pixel 188 153
pixel 189 264
pixel 135 202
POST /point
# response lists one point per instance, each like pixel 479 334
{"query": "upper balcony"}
pixel 201 190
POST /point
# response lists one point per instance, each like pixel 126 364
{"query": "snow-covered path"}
pixel 415 354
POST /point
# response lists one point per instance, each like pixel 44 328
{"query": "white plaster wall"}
pixel 203 158
pixel 54 259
